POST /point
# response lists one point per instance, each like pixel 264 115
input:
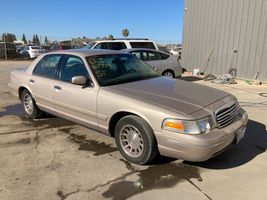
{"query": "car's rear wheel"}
pixel 29 106
pixel 168 73
pixel 135 139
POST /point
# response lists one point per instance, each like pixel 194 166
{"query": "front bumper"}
pixel 200 147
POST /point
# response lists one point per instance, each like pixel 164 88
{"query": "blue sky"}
pixel 58 19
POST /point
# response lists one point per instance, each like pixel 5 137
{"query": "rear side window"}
pixel 47 66
pixel 164 56
pixel 150 56
pixel 146 45
pixel 117 45
pixel 111 45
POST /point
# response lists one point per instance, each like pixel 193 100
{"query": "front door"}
pixel 76 102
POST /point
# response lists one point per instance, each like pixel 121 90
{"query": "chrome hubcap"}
pixel 168 74
pixel 131 141
pixel 28 104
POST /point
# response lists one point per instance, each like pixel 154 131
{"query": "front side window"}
pixel 102 45
pixel 72 66
pixel 47 66
pixel 137 54
pixel 89 46
pixel 119 68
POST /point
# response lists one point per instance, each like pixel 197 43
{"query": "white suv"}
pixel 32 51
pixel 126 43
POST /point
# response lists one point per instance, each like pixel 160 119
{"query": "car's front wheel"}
pixel 135 139
pixel 29 106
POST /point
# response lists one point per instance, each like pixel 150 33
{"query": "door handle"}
pixel 57 87
pixel 31 81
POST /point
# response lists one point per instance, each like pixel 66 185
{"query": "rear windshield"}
pixel 146 45
pixel 36 47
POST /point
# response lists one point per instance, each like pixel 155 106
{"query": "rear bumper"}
pixel 199 147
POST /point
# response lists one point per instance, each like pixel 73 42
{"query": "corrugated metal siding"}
pixel 218 28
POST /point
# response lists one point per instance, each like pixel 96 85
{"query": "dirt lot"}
pixel 55 159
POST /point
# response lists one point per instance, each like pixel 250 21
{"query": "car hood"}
pixel 177 95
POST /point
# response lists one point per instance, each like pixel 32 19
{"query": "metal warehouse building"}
pixel 219 35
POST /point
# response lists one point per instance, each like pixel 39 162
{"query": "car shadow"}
pixel 15 109
pixel 253 144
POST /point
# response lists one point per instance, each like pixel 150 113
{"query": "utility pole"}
pixel 40 42
pixel 5 45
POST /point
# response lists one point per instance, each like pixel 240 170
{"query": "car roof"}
pixel 143 49
pixel 125 40
pixel 86 52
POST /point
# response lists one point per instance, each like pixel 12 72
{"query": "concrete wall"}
pixel 223 34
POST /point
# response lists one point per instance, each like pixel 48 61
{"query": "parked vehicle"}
pixel 125 43
pixel 119 95
pixel 164 63
pixel 31 51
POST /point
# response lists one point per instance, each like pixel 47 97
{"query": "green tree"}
pixel 125 32
pixel 35 40
pixel 110 37
pixel 46 40
pixel 9 37
pixel 24 39
pixel 14 37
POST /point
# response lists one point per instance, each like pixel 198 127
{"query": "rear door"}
pixel 42 80
pixel 153 58
pixel 77 102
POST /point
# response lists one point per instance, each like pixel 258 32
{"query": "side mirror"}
pixel 78 80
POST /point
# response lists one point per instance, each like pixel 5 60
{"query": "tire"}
pixel 29 106
pixel 26 56
pixel 133 129
pixel 168 73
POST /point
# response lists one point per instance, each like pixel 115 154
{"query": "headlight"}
pixel 187 126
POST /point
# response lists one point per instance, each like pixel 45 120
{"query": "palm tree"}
pixel 125 32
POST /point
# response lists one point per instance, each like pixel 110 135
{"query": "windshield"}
pixel 119 68
pixel 89 46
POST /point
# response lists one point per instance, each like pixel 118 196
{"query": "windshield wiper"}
pixel 130 80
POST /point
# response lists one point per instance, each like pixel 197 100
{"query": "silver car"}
pixel 164 63
pixel 121 96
